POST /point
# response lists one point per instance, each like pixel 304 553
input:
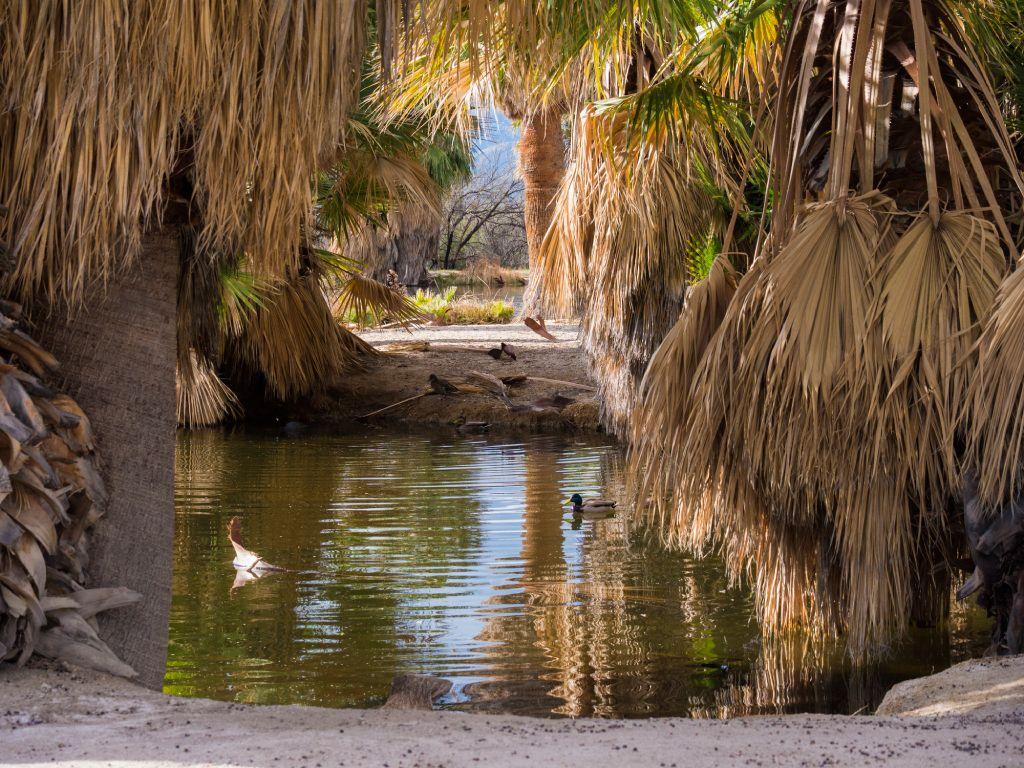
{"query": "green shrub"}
pixel 446 309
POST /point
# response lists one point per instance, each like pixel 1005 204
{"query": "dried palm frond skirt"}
pixel 51 495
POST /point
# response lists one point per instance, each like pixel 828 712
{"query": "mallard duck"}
pixel 579 504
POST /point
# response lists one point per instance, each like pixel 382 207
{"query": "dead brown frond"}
pixel 203 399
pixel 994 413
pixel 295 344
pixel 101 101
pixel 936 289
pixel 665 388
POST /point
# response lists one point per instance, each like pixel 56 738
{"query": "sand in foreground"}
pixel 78 719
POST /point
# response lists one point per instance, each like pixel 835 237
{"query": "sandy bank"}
pixel 72 718
pixel 453 352
pixel 978 686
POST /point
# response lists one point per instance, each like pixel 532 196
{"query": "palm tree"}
pixel 650 182
pixel 805 414
pixel 478 55
pixel 541 151
pixel 409 237
pixel 851 340
pixel 278 340
pixel 121 127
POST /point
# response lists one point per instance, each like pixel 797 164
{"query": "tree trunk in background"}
pixel 117 358
pixel 542 165
pixel 407 245
pixel 408 252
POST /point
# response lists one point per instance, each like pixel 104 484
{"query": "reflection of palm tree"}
pixel 613 643
pixel 542 520
pixel 578 630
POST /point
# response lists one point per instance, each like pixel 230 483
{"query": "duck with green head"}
pixel 579 504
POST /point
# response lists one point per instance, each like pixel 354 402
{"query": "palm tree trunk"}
pixel 542 165
pixel 407 245
pixel 117 359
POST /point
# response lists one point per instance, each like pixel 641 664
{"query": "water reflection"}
pixel 455 557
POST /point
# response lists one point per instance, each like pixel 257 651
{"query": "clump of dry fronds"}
pixel 994 412
pixel 101 101
pixel 365 297
pixel 52 495
pixel 624 217
pixel 815 441
pixel 203 399
pixel 294 342
pixel 667 381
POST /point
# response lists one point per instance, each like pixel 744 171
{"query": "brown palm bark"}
pixel 117 359
pixel 542 165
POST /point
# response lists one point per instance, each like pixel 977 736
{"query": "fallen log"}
pixel 518 381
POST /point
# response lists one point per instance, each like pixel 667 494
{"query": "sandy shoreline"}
pixel 73 718
pixel 452 352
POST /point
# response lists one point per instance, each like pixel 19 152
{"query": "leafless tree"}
pixel 483 218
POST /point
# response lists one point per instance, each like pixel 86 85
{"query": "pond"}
pixel 454 556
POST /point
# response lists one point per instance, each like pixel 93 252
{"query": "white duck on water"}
pixel 244 559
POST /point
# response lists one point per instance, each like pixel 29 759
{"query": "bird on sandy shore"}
pixel 442 386
pixel 579 504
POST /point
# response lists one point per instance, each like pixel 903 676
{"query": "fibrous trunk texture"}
pixel 406 244
pixel 118 361
pixel 542 165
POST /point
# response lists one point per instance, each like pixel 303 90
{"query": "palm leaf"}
pixel 365 297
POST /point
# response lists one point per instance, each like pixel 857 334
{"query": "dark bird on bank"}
pixel 557 401
pixel 442 386
pixel 504 349
pixel 470 427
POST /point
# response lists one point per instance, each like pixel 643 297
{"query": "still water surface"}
pixel 453 556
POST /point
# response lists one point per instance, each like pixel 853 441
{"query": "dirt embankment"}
pixel 79 719
pixel 555 371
